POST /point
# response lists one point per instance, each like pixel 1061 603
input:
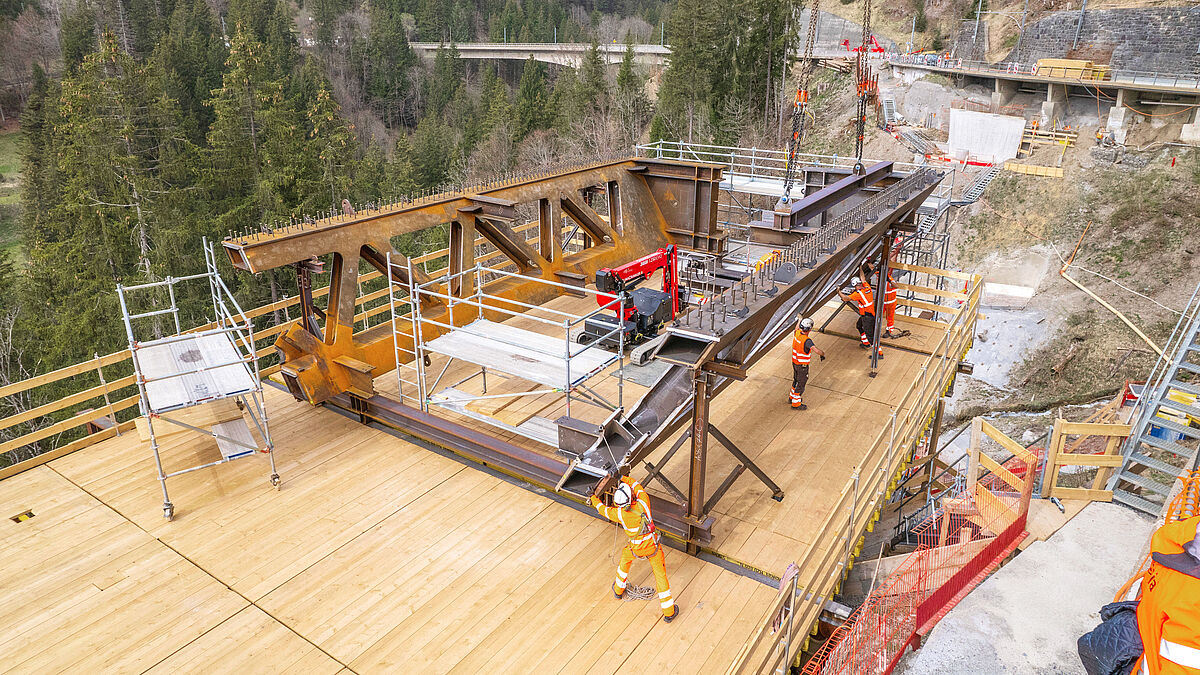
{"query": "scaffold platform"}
pixel 523 353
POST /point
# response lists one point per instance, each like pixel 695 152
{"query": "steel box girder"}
pixel 763 310
pixel 798 211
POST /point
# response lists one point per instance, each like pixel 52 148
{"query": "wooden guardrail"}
pixel 1034 170
pixel 828 559
pixel 1059 454
pixel 108 389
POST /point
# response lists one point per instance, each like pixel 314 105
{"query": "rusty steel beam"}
pixel 537 469
pixel 653 202
pixel 739 326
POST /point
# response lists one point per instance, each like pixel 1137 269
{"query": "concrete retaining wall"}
pixel 832 29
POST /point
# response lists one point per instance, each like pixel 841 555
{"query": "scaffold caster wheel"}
pixel 169 511
pixel 275 482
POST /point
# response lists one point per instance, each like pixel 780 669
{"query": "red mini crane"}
pixel 646 309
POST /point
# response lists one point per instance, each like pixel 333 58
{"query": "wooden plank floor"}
pixel 810 454
pixel 381 556
pixel 376 556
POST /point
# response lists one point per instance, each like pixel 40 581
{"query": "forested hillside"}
pixel 148 125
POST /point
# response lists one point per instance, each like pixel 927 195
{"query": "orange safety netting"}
pixel 958 546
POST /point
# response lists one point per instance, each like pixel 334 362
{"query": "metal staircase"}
pixel 917 141
pixel 889 110
pixel 1164 444
pixel 975 190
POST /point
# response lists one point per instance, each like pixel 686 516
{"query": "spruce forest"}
pixel 145 126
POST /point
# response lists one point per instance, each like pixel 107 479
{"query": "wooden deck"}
pixel 377 555
pixel 810 453
pixel 382 556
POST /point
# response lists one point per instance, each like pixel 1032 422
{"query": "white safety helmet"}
pixel 854 281
pixel 623 495
pixel 806 324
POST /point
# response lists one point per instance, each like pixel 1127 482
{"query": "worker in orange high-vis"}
pixel 889 307
pixel 889 297
pixel 631 510
pixel 863 300
pixel 1168 616
pixel 802 351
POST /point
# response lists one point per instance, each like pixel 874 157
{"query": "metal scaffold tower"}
pixel 183 378
pixel 557 355
pixel 1164 444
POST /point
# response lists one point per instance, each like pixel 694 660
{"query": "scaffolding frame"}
pixel 405 296
pixel 233 325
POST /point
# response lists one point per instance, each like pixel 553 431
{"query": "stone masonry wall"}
pixel 1153 39
pixel 832 29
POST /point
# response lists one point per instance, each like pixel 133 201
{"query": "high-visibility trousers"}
pixel 665 600
pixel 866 329
pixel 889 313
pixel 799 381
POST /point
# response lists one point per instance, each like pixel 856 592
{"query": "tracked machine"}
pixel 646 310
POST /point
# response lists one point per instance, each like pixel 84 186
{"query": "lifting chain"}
pixel 863 75
pixel 800 111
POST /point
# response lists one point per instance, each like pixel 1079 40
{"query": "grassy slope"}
pixel 1142 234
pixel 10 200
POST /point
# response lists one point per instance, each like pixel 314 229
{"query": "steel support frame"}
pixel 537 469
pixel 734 352
pixel 656 202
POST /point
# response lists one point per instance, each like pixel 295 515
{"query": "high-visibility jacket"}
pixel 864 298
pixel 801 348
pixel 1168 615
pixel 889 291
pixel 637 520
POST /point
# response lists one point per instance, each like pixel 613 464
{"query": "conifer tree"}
pixel 594 86
pixel 192 54
pixel 532 108
pixel 389 59
pixel 332 142
pixel 631 104
pixel 123 168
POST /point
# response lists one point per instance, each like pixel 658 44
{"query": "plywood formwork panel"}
pixel 249 642
pixel 372 556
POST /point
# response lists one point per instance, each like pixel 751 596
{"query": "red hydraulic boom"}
pixel 628 276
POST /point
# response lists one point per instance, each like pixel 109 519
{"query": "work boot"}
pixel 669 619
pixel 616 594
pixel 802 406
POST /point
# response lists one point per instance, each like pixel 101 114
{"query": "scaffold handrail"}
pixel 439 288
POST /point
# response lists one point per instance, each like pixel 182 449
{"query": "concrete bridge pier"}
pixel 1191 131
pixel 1056 103
pixel 1121 117
pixel 1004 93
